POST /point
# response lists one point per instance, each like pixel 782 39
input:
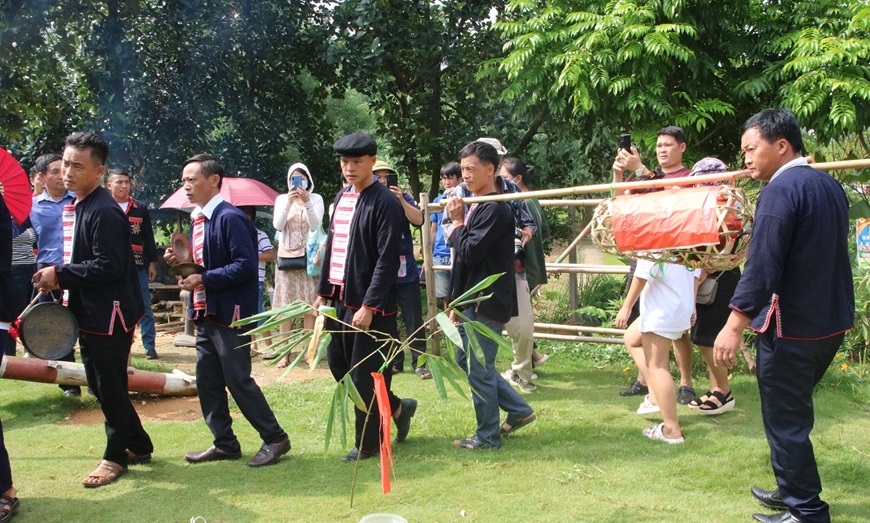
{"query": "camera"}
pixel 519 250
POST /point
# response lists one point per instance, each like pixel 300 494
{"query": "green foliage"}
pixel 165 80
pixel 642 64
pixel 596 296
pixel 857 344
pixel 416 62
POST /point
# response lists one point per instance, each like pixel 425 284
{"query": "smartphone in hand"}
pixel 625 142
pixel 392 180
pixel 296 181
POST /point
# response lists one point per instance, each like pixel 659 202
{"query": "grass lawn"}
pixel 585 459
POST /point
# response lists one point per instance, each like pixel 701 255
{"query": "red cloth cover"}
pixel 670 219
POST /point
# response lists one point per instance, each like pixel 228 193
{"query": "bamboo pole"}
pixel 580 268
pixel 661 183
pixel 570 203
pixel 579 328
pixel 581 339
pixel 428 269
pixel 585 232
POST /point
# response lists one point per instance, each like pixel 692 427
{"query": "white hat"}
pixel 499 148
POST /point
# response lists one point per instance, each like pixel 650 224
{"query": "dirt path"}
pixel 161 408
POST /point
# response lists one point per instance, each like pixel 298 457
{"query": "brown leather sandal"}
pixel 8 507
pixel 105 473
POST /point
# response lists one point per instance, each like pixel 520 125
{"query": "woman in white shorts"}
pixel 667 305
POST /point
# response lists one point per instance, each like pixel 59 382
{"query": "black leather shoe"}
pixel 403 422
pixel 211 454
pixel 355 454
pixel 270 453
pixel 138 459
pixel 782 517
pixel 768 498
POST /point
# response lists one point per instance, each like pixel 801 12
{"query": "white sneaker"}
pixel 519 383
pixel 647 408
pixel 509 374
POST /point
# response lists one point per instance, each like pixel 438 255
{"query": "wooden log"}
pixel 176 383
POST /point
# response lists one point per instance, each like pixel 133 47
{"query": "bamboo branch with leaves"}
pixel 444 369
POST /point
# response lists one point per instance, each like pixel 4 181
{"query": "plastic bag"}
pixel 316 251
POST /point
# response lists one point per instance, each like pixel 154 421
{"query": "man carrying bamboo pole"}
pixel 483 241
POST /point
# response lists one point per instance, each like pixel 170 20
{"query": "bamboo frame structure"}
pixel 546 198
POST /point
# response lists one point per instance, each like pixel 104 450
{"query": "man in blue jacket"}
pixel 224 241
pixel 796 293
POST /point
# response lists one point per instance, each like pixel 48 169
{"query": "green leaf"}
pixel 474 290
pixel 322 345
pixel 338 408
pixel 448 328
pixel 476 349
pixel 497 337
pixel 353 393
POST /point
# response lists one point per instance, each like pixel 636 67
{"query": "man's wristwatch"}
pixel 642 171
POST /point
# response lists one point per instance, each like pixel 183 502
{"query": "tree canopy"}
pixel 264 84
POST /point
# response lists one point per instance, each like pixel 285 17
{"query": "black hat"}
pixel 356 144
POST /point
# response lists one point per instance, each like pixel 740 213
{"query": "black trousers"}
pixel 412 315
pixel 349 351
pixel 788 370
pixel 5 467
pixel 223 361
pixel 105 361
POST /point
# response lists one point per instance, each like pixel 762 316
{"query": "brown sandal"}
pixel 513 424
pixel 10 501
pixel 105 473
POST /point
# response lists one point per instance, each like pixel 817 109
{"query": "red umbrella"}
pixel 16 187
pixel 237 191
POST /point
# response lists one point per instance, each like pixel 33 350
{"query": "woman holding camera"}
pixel 296 215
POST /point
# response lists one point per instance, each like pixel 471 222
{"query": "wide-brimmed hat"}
pixel 381 165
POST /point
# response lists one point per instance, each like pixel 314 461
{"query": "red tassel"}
pixel 14 329
pixel 386 417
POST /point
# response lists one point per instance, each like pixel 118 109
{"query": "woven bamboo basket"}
pixel 734 221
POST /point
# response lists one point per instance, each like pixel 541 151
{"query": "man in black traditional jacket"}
pixel 483 241
pixel 98 277
pixel 360 274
